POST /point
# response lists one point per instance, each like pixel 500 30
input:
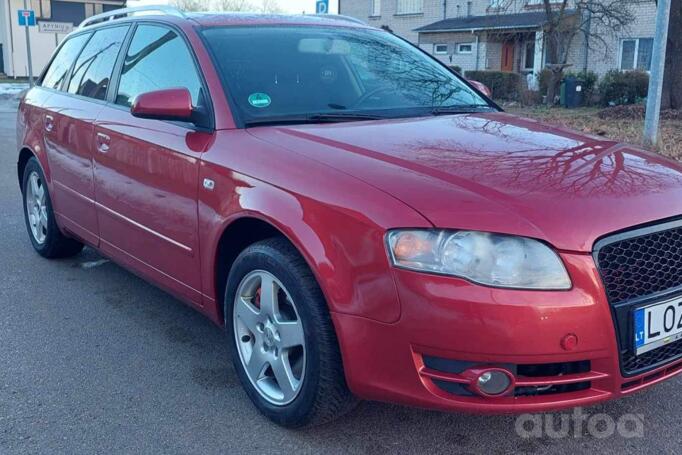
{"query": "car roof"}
pixel 237 19
pixel 218 19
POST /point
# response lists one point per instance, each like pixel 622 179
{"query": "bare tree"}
pixel 251 6
pixel 236 5
pixel 672 80
pixel 565 21
pixel 596 20
pixel 271 6
pixel 191 5
pixel 262 6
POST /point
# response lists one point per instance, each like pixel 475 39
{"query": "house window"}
pixel 410 7
pixel 93 8
pixel 529 61
pixel 440 49
pixel 636 54
pixel 465 48
pixel 43 9
pixel 375 8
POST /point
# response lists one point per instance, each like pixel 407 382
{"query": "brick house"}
pixel 481 35
pixel 55 18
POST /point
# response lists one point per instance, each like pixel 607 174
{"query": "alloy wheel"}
pixel 269 337
pixel 36 207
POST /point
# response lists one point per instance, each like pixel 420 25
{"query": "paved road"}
pixel 95 360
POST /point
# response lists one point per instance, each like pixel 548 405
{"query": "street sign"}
pixel 322 7
pixel 27 18
pixel 55 27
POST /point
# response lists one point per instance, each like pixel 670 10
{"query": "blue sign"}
pixel 322 7
pixel 639 328
pixel 27 18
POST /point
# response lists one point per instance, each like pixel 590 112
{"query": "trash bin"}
pixel 571 92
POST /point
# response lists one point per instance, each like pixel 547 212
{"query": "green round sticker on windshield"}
pixel 260 100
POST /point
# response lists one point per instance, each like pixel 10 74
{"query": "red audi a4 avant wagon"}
pixel 363 222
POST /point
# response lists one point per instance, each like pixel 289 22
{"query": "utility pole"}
pixel 28 49
pixel 653 101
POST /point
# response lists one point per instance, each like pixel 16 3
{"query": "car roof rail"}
pixel 340 17
pixel 124 12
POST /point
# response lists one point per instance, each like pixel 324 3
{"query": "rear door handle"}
pixel 48 123
pixel 103 143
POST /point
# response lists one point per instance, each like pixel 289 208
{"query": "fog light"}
pixel 494 382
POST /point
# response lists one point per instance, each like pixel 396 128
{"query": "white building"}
pixel 54 18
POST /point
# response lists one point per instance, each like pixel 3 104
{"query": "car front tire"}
pixel 284 347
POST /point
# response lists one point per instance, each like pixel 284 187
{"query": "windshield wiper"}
pixel 314 118
pixel 343 117
pixel 461 109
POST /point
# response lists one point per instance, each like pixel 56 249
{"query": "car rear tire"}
pixel 43 231
pixel 284 347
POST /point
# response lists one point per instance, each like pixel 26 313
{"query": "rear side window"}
pixel 157 59
pixel 61 64
pixel 92 72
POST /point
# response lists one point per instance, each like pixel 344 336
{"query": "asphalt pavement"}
pixel 94 360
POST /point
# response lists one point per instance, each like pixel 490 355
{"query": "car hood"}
pixel 500 173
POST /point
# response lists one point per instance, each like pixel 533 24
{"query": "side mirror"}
pixel 169 104
pixel 481 87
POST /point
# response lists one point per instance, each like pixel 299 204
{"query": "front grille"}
pixel 659 356
pixel 640 267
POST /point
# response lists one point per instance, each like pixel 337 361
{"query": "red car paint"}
pixel 132 187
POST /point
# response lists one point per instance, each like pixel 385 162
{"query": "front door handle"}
pixel 103 143
pixel 48 123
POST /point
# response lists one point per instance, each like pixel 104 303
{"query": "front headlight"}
pixel 491 259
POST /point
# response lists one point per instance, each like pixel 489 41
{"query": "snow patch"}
pixel 12 88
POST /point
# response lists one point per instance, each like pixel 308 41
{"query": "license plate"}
pixel 658 325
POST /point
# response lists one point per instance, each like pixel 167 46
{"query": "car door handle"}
pixel 48 123
pixel 103 142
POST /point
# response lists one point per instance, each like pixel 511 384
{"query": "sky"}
pixel 290 6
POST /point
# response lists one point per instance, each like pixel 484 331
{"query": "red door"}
pixel 146 174
pixel 147 171
pixel 67 128
pixel 508 56
pixel 68 125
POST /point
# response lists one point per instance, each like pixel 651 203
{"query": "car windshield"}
pixel 297 74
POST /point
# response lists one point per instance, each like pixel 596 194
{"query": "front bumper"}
pixel 449 327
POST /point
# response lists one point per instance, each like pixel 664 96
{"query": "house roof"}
pixel 488 22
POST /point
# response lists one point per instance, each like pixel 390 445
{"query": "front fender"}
pixel 340 232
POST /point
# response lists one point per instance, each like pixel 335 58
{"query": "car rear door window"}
pixel 62 62
pixel 95 64
pixel 157 59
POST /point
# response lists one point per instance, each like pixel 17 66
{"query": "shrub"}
pixel 505 86
pixel 457 69
pixel 623 87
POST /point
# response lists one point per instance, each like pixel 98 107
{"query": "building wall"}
pixel 600 58
pixel 402 25
pixel 42 44
pixel 4 43
pixel 465 61
pixel 603 58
